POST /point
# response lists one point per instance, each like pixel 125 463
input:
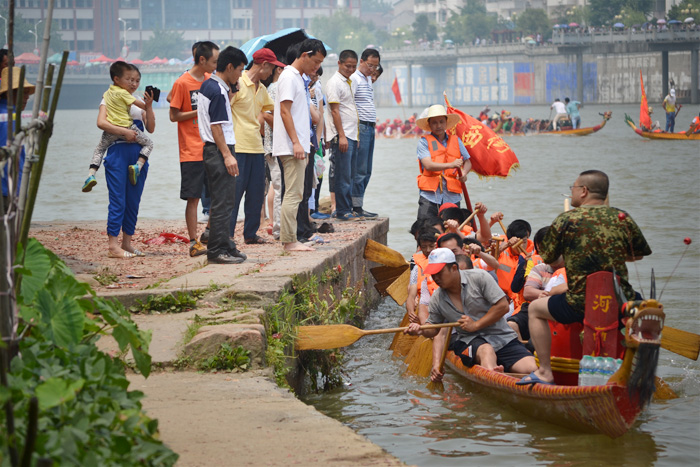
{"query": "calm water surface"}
pixel 655 181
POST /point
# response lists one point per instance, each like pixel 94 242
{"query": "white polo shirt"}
pixel 214 108
pixel 290 87
pixel 339 91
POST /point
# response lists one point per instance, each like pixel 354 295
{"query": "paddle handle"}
pixel 425 326
pixel 467 220
pixel 505 232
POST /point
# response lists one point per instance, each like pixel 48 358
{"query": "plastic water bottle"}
pixel 608 369
pixel 618 364
pixel 584 370
pixel 597 373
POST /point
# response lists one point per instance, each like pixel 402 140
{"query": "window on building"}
pixel 65 24
pixel 242 3
pixel 128 3
pixel 83 3
pixel 186 16
pixel 152 14
pixel 220 14
pixel 288 3
pixel 28 3
pixel 84 24
pixel 85 45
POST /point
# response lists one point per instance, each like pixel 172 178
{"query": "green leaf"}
pixel 55 391
pixel 61 320
pixel 37 262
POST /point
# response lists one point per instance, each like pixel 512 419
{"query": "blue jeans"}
pixel 575 122
pixel 362 165
pixel 251 181
pixel 670 121
pixel 124 198
pixel 343 176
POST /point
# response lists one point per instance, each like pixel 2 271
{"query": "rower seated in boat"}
pixel 593 237
pixel 474 299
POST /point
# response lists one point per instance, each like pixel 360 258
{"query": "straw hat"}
pixel 28 87
pixel 438 111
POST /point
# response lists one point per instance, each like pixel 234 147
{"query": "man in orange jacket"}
pixel 440 156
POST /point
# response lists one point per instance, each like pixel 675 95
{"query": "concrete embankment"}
pixel 245 418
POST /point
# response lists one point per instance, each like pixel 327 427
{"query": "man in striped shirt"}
pixel 367 113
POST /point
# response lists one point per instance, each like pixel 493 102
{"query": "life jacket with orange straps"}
pixel 421 262
pixel 432 181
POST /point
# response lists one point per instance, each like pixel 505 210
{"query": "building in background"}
pixel 119 27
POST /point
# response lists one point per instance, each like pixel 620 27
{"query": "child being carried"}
pixel 118 101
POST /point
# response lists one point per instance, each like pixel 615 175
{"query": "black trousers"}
pixel 222 188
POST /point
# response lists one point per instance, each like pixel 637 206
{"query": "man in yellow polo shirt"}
pixel 250 104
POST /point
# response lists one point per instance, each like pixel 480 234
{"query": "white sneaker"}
pixel 204 219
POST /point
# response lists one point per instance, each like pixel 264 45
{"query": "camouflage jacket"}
pixel 591 239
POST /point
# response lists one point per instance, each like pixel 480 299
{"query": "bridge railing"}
pixel 583 38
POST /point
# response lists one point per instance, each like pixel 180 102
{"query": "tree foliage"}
pixel 676 11
pixel 165 44
pixel 472 21
pixel 343 31
pixel 603 12
pixel 533 21
pixel 423 28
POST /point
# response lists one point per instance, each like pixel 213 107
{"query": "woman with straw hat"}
pixel 4 118
pixel 440 156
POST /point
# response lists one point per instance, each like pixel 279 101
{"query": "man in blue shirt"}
pixel 572 109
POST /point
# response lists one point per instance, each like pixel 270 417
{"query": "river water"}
pixel 655 181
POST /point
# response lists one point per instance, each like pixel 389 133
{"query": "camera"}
pixel 154 91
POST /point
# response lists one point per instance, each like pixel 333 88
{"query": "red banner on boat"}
pixel 489 154
pixel 644 118
pixel 395 89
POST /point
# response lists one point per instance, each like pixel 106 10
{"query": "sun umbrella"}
pixel 618 25
pixel 573 25
pixel 137 61
pixel 448 41
pixel 661 21
pixel 564 26
pixel 73 63
pixel 689 20
pixel 674 21
pixel 28 58
pixel 556 26
pixel 407 42
pixel 531 41
pixel 278 42
pixel 102 59
pixel 55 58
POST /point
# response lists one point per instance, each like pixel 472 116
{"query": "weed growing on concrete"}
pixel 309 304
pixel 181 301
pixel 105 277
pixel 227 358
pixel 192 329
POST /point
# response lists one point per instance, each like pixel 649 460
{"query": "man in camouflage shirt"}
pixel 594 237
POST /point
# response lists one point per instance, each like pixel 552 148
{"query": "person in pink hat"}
pixel 472 298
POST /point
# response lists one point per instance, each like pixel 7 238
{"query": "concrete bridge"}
pixel 567 47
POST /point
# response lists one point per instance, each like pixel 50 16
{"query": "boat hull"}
pixel 667 136
pixel 604 409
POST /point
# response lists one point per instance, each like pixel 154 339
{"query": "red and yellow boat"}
pixel 579 131
pixel 682 136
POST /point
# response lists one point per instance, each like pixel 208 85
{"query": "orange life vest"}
pixel 421 262
pixel 508 264
pixel 432 181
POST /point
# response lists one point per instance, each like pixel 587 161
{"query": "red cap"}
pixel 447 205
pixel 267 56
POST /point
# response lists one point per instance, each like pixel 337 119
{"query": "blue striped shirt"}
pixel 364 96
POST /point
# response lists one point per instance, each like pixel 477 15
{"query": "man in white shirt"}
pixel 560 110
pixel 216 131
pixel 291 136
pixel 367 114
pixel 342 131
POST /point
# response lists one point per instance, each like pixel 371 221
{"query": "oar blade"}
pixel 382 254
pixel 681 342
pixel 326 337
pixel 420 357
pixel 398 290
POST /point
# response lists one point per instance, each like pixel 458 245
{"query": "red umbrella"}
pixel 154 61
pixel 28 58
pixel 138 61
pixel 102 59
pixel 73 63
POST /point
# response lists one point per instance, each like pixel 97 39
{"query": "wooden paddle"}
pixel 404 322
pixel 663 390
pixel 505 232
pixel 333 336
pixel 467 220
pixel 398 290
pixel 681 342
pixel 437 386
pixel 419 360
pixel 467 201
pixel 382 254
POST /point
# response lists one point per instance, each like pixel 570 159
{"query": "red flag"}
pixel 489 154
pixel 395 90
pixel 644 118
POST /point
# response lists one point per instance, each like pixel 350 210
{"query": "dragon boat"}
pixel 578 131
pixel 682 136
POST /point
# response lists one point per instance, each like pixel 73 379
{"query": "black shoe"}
pixel 236 253
pixel 225 258
pixel 204 238
pixel 363 213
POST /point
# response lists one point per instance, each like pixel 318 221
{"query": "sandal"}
pixel 125 255
pixel 257 240
pixel 139 252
